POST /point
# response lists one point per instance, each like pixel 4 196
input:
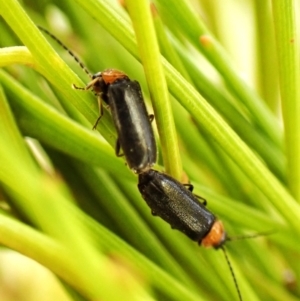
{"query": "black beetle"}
pixel 125 100
pixel 179 207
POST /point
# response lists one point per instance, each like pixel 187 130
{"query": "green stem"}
pixel 289 78
pixel 267 71
pixel 185 18
pixel 150 55
pixel 166 47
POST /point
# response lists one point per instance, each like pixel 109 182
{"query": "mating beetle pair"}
pixel 166 197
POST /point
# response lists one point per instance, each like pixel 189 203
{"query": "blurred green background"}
pixel 226 119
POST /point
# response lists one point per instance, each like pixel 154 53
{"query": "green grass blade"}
pixel 289 77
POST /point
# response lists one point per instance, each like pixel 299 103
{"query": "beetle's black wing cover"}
pixel 175 204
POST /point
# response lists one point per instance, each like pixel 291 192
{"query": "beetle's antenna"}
pixel 80 63
pixel 240 237
pixel 232 273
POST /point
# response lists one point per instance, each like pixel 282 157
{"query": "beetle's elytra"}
pixel 179 207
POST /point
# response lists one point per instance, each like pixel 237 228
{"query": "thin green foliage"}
pixel 289 76
pixel 84 218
